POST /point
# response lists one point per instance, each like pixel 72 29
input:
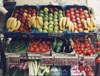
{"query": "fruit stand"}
pixel 50 40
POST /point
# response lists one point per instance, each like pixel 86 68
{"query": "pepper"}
pixel 54 44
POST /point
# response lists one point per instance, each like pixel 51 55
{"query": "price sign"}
pixel 14 60
pixel 23 56
pixel 50 34
pixel 47 61
pixel 89 61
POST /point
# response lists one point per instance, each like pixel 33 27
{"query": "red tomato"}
pixel 98 60
pixel 90 73
pixel 31 49
pixel 71 9
pixel 98 49
pixel 80 10
pixel 76 12
pixel 98 43
pixel 37 50
pixel 43 50
pixel 43 42
pixel 48 42
pixel 21 29
pixel 81 67
pixel 87 45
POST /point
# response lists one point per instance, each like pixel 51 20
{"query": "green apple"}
pixel 45 19
pixel 46 13
pixel 40 30
pixel 45 31
pixel 50 18
pixel 46 23
pixel 50 15
pixel 41 15
pixel 60 31
pixel 55 16
pixel 55 20
pixel 41 11
pixel 56 27
pixel 55 13
pixel 50 26
pixel 60 15
pixel 46 16
pixel 55 30
pixel 45 27
pixel 50 30
pixel 55 23
pixel 60 12
pixel 50 22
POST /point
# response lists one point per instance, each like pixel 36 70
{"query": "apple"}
pixel 60 15
pixel 30 9
pixel 78 22
pixel 85 12
pixel 45 19
pixel 79 26
pixel 50 18
pixel 72 16
pixel 21 9
pixel 73 20
pixel 45 31
pixel 78 19
pixel 55 9
pixel 55 23
pixel 29 15
pixel 51 11
pixel 50 26
pixel 55 20
pixel 67 15
pixel 50 29
pixel 51 23
pixel 55 16
pixel 24 18
pixel 80 30
pixel 41 11
pixel 80 10
pixel 71 9
pixel 81 13
pixel 76 12
pixel 33 14
pixel 29 12
pixel 16 14
pixel 60 12
pixel 56 27
pixel 46 23
pixel 34 11
pixel 46 13
pixel 55 13
pixel 45 27
pixel 82 17
pixel 56 31
pixel 77 15
pixel 17 11
pixel 67 11
pixel 86 16
pixel 72 13
pixel 50 15
pixel 22 24
pixel 75 28
pixel 25 11
pixel 60 31
pixel 25 14
pixel 40 30
pixel 41 15
pixel 46 16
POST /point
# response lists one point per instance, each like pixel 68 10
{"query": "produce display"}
pixel 79 20
pixel 18 46
pixel 20 19
pixel 39 46
pixel 51 20
pixel 82 70
pixel 98 51
pixel 83 47
pixel 21 70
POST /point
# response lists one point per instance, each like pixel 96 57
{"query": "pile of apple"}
pixel 24 16
pixel 39 46
pixel 51 17
pixel 83 47
pixel 80 20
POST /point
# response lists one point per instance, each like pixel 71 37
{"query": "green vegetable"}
pixel 54 44
pixel 58 49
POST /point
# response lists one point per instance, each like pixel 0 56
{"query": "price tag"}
pixel 50 34
pixel 23 56
pixel 14 60
pixel 47 61
pixel 89 61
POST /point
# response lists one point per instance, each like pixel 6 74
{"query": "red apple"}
pixel 72 16
pixel 76 12
pixel 67 15
pixel 80 10
pixel 77 15
pixel 82 17
pixel 22 24
pixel 29 12
pixel 71 9
pixel 25 11
pixel 33 14
pixel 17 11
pixel 81 13
pixel 29 15
pixel 78 19
pixel 21 9
pixel 34 10
pixel 75 28
pixel 86 16
pixel 51 11
pixel 72 13
pixel 79 26
pixel 73 20
pixel 16 14
pixel 30 9
pixel 67 11
pixel 24 18
pixel 55 9
pixel 78 22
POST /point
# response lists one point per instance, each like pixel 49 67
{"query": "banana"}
pixel 64 22
pixel 18 25
pixel 88 22
pixel 72 26
pixel 68 22
pixel 29 23
pixel 40 19
pixel 13 25
pixel 60 23
pixel 92 21
pixel 85 24
pixel 9 21
pixel 33 22
pixel 86 31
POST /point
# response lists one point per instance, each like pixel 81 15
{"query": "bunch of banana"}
pixel 35 22
pixel 13 24
pixel 62 23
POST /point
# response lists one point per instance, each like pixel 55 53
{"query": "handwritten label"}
pixel 14 60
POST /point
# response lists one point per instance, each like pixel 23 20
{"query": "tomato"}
pixel 98 49
pixel 43 50
pixel 71 9
pixel 81 67
pixel 43 42
pixel 98 43
pixel 98 60
pixel 80 10
pixel 90 73
pixel 35 46
pixel 67 11
pixel 31 49
pixel 88 45
pixel 76 12
pixel 82 46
